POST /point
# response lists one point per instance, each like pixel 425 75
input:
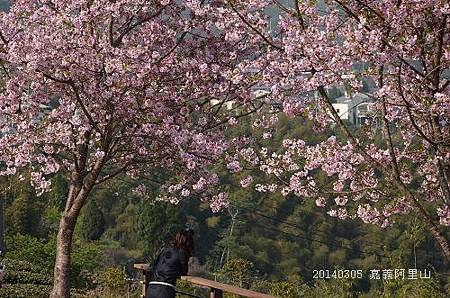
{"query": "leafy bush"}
pixel 22 272
pixel 283 289
pixel 29 249
pixel 237 271
pixel 330 289
pixel 25 291
pixel 429 288
pixel 32 290
pixel 24 279
pixel 112 278
pixel 41 254
pixel 18 265
pixel 20 277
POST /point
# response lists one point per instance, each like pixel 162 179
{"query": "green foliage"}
pixel 50 220
pixel 29 249
pixel 22 272
pixel 19 277
pixel 87 256
pixel 283 289
pixel 92 223
pixel 237 272
pixel 37 252
pixel 23 213
pixel 25 279
pixel 19 214
pixel 113 279
pixel 155 224
pixel 33 290
pixel 25 291
pixel 329 289
pixel 429 288
pixel 60 189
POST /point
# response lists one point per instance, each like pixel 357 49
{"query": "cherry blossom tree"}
pixel 398 162
pixel 95 89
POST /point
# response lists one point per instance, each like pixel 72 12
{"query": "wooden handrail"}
pixel 143 267
pixel 224 287
pixel 216 288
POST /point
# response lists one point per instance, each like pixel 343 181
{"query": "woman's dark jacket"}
pixel 171 264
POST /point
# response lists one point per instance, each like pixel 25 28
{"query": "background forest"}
pixel 263 241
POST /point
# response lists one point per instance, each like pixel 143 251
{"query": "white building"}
pixel 258 93
pixel 353 108
pixel 228 103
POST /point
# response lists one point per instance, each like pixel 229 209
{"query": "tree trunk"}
pixel 81 183
pixel 61 287
pixel 75 201
pixel 79 190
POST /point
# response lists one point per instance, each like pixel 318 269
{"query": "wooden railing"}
pixel 216 288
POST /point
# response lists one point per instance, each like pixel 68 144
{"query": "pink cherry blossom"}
pixel 397 153
pixel 321 202
pixel 246 182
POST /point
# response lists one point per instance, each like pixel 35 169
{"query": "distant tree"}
pixel 156 224
pixel 22 213
pixel 237 271
pixel 93 223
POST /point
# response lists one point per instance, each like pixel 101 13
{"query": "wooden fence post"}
pixel 145 285
pixel 216 293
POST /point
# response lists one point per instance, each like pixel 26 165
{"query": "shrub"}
pixel 25 291
pixel 113 279
pixel 22 272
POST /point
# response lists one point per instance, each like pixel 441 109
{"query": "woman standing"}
pixel 171 263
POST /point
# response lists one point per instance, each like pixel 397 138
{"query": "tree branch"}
pixel 118 41
pixel 243 19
